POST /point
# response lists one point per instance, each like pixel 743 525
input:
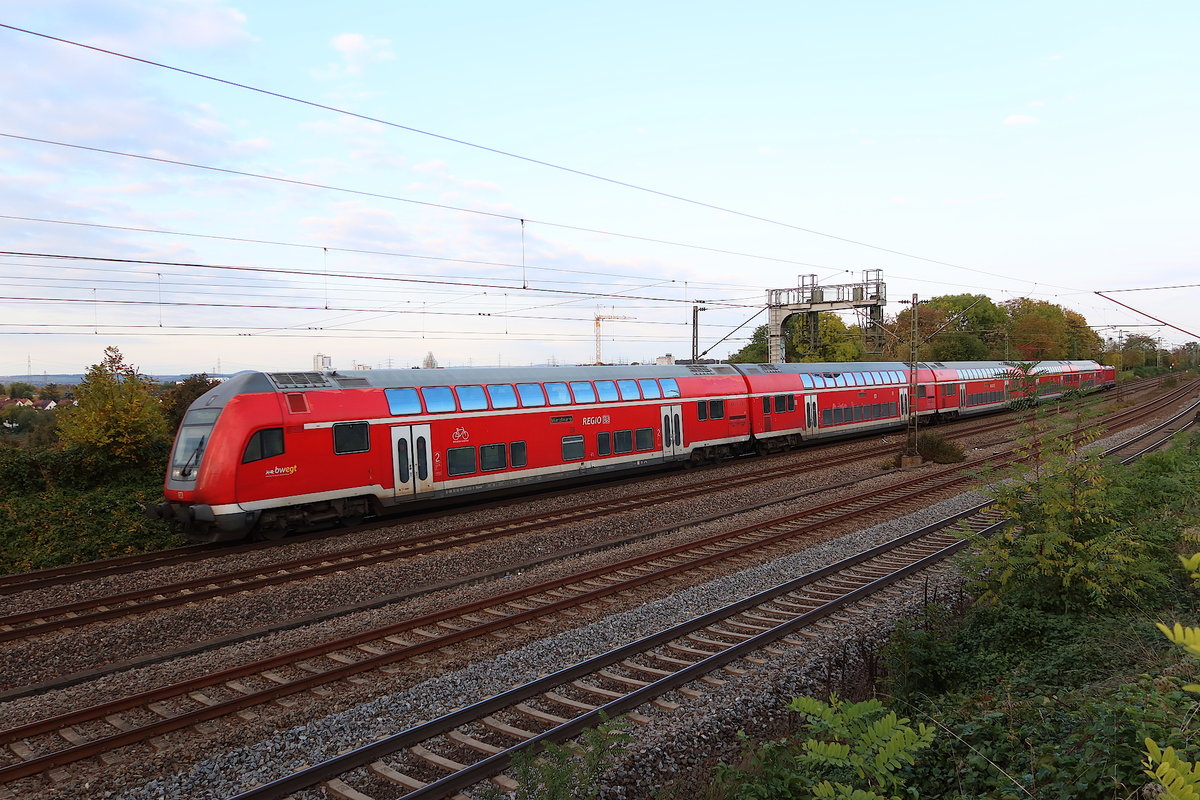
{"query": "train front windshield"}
pixel 190 442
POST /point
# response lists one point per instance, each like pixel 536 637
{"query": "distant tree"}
pixel 177 397
pixel 1082 341
pixel 755 352
pixel 50 391
pixel 954 346
pixel 117 415
pixel 1038 329
pixel 22 391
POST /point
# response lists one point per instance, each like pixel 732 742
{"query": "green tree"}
pixel 1037 329
pixel 117 415
pixel 755 352
pixel 976 331
pixel 22 391
pixel 51 391
pixel 177 398
pixel 1082 341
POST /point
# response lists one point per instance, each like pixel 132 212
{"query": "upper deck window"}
pixel 558 394
pixel 402 401
pixel 583 391
pixel 502 395
pixel 650 389
pixel 607 390
pixel 806 380
pixel 670 387
pixel 531 394
pixel 438 399
pixel 471 398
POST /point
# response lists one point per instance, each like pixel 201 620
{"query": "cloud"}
pixel 1019 119
pixel 357 52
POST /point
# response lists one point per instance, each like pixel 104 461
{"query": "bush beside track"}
pixel 67 506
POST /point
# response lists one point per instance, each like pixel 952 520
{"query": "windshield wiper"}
pixel 195 456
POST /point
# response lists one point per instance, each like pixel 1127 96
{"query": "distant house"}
pixel 46 405
pixel 20 401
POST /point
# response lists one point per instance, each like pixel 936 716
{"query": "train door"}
pixel 672 430
pixel 810 414
pixel 904 404
pixel 412 460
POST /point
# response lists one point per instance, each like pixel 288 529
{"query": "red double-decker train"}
pixel 270 452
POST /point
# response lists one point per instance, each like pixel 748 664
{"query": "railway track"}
pixel 75 573
pixel 162 596
pixel 39 744
pixel 477 743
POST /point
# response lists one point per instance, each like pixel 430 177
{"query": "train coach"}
pixel 275 452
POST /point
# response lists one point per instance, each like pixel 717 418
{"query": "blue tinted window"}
pixel 840 380
pixel 402 401
pixel 583 391
pixel 669 387
pixel 502 395
pixel 531 394
pixel 628 390
pixel 649 388
pixel 558 394
pixel 438 399
pixel 471 398
pixel 806 380
pixel 607 391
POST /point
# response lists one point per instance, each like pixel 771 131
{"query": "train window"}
pixel 603 444
pixel 806 380
pixel 840 380
pixel 891 407
pixel 791 402
pixel 351 437
pixel 701 410
pixel 629 390
pixel 402 460
pixel 422 459
pixel 670 387
pixel 516 453
pixel 584 392
pixel 460 461
pixel 623 441
pixel 402 401
pixel 607 391
pixel 781 403
pixel 650 389
pixel 837 416
pixel 492 457
pixel 921 391
pixel 471 398
pixel 878 378
pixel 950 390
pixel 502 395
pixel 716 409
pixel 264 444
pixel 558 394
pixel 827 417
pixel 438 399
pixel 858 413
pixel 766 405
pixel 645 438
pixel 531 394
pixel 572 448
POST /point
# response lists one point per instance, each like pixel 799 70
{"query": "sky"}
pixel 528 167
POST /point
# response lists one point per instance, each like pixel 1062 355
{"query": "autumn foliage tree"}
pixel 117 415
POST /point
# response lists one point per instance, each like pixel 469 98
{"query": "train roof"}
pixel 456 376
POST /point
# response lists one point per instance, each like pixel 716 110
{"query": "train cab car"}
pixel 276 452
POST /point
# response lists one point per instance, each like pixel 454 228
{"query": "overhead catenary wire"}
pixel 494 150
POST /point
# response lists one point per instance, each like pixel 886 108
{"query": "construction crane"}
pixel 600 317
